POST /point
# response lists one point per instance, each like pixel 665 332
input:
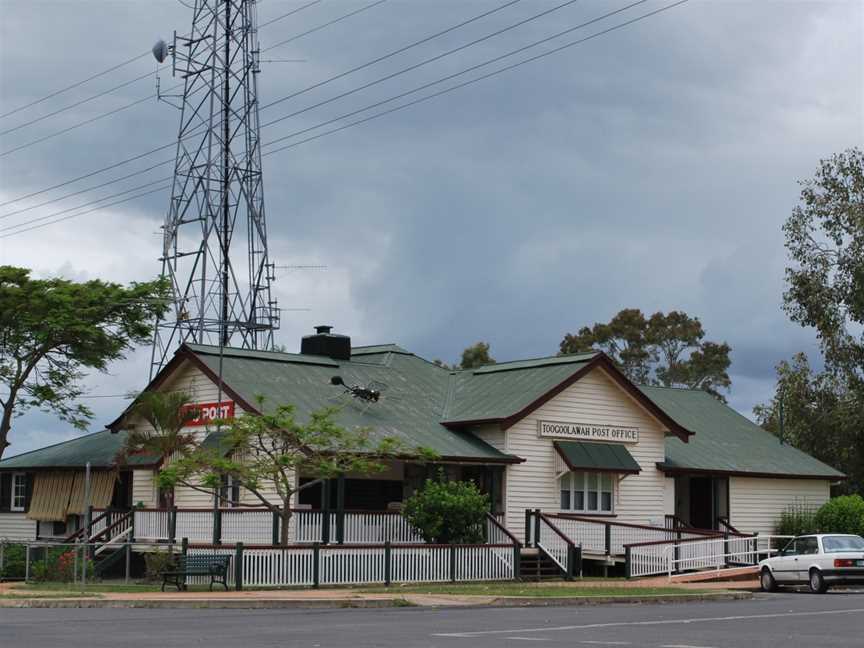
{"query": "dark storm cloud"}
pixel 648 168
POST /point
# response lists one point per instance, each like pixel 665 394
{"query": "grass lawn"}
pixel 47 595
pixel 530 589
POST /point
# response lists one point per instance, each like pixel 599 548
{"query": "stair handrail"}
pixel 491 518
pixel 74 537
pixel 126 517
pixel 725 522
pixel 573 560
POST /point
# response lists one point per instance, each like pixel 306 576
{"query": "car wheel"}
pixel 766 581
pixel 816 582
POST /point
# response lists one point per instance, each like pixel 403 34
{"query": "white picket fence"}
pixel 358 565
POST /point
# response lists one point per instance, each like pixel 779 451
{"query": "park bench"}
pixel 216 567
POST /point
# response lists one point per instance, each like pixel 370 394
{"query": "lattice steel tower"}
pixel 215 235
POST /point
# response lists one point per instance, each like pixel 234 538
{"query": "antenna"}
pixel 214 250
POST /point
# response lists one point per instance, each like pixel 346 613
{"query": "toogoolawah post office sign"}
pixel 587 432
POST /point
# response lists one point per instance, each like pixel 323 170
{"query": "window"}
pixel 19 491
pixel 229 492
pixel 808 545
pixel 586 492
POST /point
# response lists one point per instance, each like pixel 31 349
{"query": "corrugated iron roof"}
pixel 99 448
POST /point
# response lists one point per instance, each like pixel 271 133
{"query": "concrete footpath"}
pixel 345 598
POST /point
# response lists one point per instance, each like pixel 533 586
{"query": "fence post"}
pixel 238 566
pixel 452 563
pixel 388 552
pixel 128 561
pixel 316 557
pixel 628 565
pixel 571 560
pixel 517 561
pixel 27 564
pixel 726 547
pixel 184 550
pixel 217 526
pixel 608 538
pixel 527 527
pixel 677 553
pixel 276 535
pixel 536 526
pixel 172 524
pixel 325 511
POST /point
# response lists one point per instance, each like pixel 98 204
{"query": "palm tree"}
pixel 167 414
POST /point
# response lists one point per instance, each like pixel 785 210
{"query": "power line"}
pixel 75 85
pixel 483 77
pixel 422 99
pixel 413 67
pixel 451 76
pixel 290 13
pixel 393 53
pixel 322 26
pixel 101 94
pixel 76 104
pixel 89 211
pixel 174 143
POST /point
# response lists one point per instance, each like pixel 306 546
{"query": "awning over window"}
pixel 61 493
pixel 597 457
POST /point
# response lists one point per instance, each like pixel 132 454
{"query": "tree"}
pixel 476 355
pixel 264 453
pixel 52 330
pixel 664 349
pixel 821 416
pixel 825 240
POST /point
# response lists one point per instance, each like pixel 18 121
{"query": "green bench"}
pixel 216 567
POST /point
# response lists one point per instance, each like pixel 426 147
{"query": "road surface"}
pixel 790 620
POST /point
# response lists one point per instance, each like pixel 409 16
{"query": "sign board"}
pixel 208 412
pixel 588 432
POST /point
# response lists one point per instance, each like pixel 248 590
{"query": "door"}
pixel 785 565
pixel 808 548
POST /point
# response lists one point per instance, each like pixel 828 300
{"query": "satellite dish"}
pixel 160 51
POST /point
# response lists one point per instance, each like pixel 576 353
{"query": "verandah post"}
pixel 238 566
pixel 628 565
pixel 527 527
pixel 517 561
pixel 536 526
pixel 276 535
pixel 340 509
pixel 325 512
pixel 172 523
pixel 388 554
pixel 608 538
pixel 217 526
pixel 571 560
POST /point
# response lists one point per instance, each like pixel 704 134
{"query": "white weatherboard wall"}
pixel 756 504
pixel 189 379
pixel 16 526
pixel 594 399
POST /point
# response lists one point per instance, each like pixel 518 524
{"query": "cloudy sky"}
pixel 649 167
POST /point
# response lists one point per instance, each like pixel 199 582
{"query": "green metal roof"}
pixel 409 408
pixel 727 442
pixel 582 455
pixel 498 391
pixel 99 448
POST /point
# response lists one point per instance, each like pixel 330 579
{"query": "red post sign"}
pixel 208 412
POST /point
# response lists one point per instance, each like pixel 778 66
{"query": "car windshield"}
pixel 837 544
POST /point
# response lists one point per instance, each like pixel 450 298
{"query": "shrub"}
pixel 155 563
pixel 58 564
pixel 797 519
pixel 842 515
pixel 447 512
pixel 13 563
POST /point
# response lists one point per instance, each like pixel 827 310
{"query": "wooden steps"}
pixel 535 566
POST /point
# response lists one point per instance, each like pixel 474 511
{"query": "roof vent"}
pixel 325 343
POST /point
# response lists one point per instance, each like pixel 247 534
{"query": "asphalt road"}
pixel 787 620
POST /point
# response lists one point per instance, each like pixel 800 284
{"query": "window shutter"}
pixel 28 490
pixel 5 491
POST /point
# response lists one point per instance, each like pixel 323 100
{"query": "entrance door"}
pixel 702 502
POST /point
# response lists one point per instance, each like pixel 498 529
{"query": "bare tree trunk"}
pixel 285 519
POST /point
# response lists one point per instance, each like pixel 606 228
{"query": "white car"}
pixel 818 561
